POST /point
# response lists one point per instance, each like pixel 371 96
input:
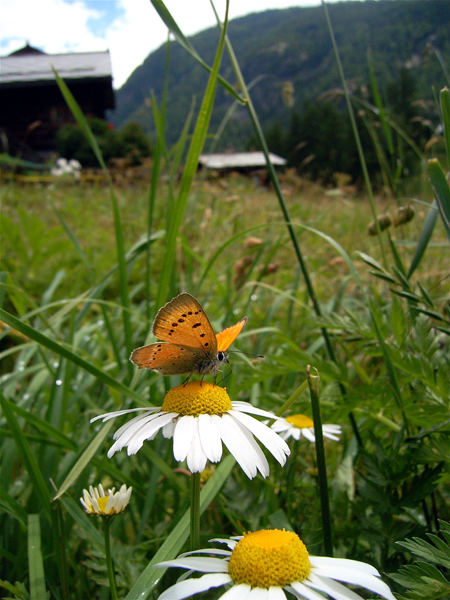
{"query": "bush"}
pixel 135 143
pixel 130 142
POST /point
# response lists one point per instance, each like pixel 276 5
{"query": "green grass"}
pixel 85 267
pixel 35 246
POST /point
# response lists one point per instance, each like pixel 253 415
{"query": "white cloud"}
pixel 57 26
pixel 52 25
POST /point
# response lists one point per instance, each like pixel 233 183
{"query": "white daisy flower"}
pixel 199 416
pixel 263 565
pixel 297 425
pixel 105 504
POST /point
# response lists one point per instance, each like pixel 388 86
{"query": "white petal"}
pixel 357 576
pixel 218 551
pixel 143 427
pixel 147 432
pixel 246 407
pixel 127 431
pixel 300 590
pixel 230 542
pixel 279 426
pixel 296 433
pixel 168 429
pixel 243 447
pixel 196 458
pixel 309 434
pixel 276 593
pixel 203 564
pixel 271 440
pixel 210 437
pixel 241 591
pixel 189 587
pixel 118 413
pixel 258 593
pixel 323 562
pixel 332 588
pixel 134 424
pixel 182 436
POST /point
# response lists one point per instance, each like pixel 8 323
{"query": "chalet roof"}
pixel 30 68
pixel 238 160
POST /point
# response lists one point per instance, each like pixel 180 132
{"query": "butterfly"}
pixel 189 344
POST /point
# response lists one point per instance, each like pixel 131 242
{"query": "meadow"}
pixel 354 329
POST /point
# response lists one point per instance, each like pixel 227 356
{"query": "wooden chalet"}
pixel 33 108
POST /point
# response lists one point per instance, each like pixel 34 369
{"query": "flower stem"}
pixel 313 381
pixel 109 562
pixel 195 511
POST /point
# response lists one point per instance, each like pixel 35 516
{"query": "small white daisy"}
pixel 263 565
pixel 105 504
pixel 297 425
pixel 200 416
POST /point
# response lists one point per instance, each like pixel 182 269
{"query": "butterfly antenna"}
pixel 246 353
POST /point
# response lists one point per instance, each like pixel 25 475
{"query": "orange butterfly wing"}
pixel 226 337
pixel 166 358
pixel 188 340
pixel 183 321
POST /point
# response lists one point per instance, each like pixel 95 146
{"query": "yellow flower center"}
pixel 300 421
pixel 196 398
pixel 269 558
pixel 102 502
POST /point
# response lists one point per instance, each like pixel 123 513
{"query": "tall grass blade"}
pixel 160 148
pixel 56 347
pixel 120 248
pixel 379 104
pixel 72 238
pixel 41 491
pixel 362 158
pixel 84 459
pixel 198 139
pixel 35 560
pixel 313 382
pixel 45 427
pixel 172 26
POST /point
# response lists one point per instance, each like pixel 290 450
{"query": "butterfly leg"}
pixel 187 379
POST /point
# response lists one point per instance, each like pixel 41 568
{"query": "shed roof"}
pixel 31 68
pixel 238 160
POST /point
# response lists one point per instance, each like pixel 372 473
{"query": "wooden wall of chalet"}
pixel 31 114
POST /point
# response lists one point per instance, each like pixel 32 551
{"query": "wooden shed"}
pixel 244 162
pixel 33 108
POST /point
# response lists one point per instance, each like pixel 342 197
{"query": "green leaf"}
pixel 424 237
pixel 12 507
pixel 35 560
pixel 371 262
pixel 441 189
pixel 445 110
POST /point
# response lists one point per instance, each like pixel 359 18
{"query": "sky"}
pixel 129 29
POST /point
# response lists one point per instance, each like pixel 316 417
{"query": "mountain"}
pixel 291 49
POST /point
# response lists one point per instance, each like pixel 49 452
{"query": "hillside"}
pixel 293 45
